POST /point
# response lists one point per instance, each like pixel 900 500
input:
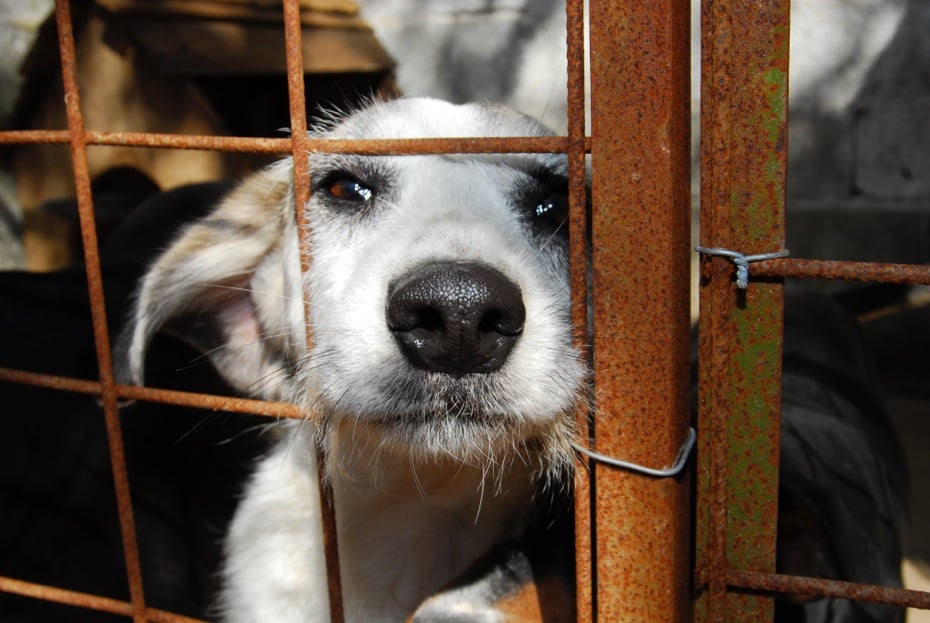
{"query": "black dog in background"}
pixel 58 517
pixel 844 482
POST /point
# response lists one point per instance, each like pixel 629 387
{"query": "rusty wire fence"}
pixel 635 557
pixel 744 114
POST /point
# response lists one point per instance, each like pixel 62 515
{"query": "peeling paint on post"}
pixel 743 157
pixel 640 156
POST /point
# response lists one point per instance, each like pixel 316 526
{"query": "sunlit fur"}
pixel 428 470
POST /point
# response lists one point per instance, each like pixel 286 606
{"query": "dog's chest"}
pixel 402 542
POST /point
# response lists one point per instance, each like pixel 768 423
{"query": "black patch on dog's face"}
pixel 542 202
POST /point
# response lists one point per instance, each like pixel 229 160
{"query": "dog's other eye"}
pixel 348 189
pixel 552 209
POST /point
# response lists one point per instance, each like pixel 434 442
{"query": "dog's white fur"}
pixel 428 470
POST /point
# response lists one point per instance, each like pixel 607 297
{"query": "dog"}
pixel 844 482
pixel 440 381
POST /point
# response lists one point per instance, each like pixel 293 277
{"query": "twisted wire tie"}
pixel 741 261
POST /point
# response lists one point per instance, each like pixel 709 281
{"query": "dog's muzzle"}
pixel 454 317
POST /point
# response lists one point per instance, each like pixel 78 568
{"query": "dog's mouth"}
pixel 428 397
pixel 467 417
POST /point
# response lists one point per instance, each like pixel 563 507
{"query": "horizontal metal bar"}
pixel 915 274
pixel 86 600
pixel 211 401
pixel 150 394
pixel 50 381
pixel 395 147
pixel 779 583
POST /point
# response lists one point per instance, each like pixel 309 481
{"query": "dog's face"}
pixel 438 285
pixel 438 288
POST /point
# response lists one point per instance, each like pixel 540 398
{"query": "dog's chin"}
pixel 476 442
pixel 455 419
pixel 478 399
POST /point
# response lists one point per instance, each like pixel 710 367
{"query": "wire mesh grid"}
pixel 641 381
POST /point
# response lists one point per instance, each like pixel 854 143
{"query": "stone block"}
pixel 892 138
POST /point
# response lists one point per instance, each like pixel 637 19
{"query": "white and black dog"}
pixel 441 378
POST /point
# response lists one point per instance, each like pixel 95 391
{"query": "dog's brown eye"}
pixel 348 189
pixel 553 209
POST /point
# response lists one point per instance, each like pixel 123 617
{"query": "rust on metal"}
pixel 63 596
pixel 22 137
pixel 640 103
pixel 86 600
pixel 578 244
pixel 98 312
pixel 301 174
pixel 744 78
pixel 213 402
pixel 364 147
pixel 912 274
pixel 817 587
pixel 632 563
pixel 154 615
pixel 49 381
pixel 151 394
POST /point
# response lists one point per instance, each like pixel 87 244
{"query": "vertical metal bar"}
pixel 578 237
pixel 300 150
pixel 743 158
pixel 641 223
pixel 78 141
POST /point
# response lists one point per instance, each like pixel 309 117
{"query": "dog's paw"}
pixel 502 588
pixel 446 608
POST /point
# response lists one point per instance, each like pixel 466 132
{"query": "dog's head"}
pixel 438 289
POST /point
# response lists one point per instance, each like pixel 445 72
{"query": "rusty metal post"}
pixel 640 190
pixel 743 164
pixel 78 144
pixel 301 167
pixel 578 237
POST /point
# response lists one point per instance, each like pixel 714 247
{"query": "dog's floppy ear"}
pixel 227 285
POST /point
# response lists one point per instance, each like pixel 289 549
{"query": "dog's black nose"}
pixel 456 318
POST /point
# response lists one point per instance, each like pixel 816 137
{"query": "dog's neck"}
pixel 408 527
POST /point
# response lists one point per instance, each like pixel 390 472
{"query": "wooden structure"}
pixel 202 67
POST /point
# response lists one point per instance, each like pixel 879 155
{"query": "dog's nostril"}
pixel 429 319
pixel 493 321
pixel 456 318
